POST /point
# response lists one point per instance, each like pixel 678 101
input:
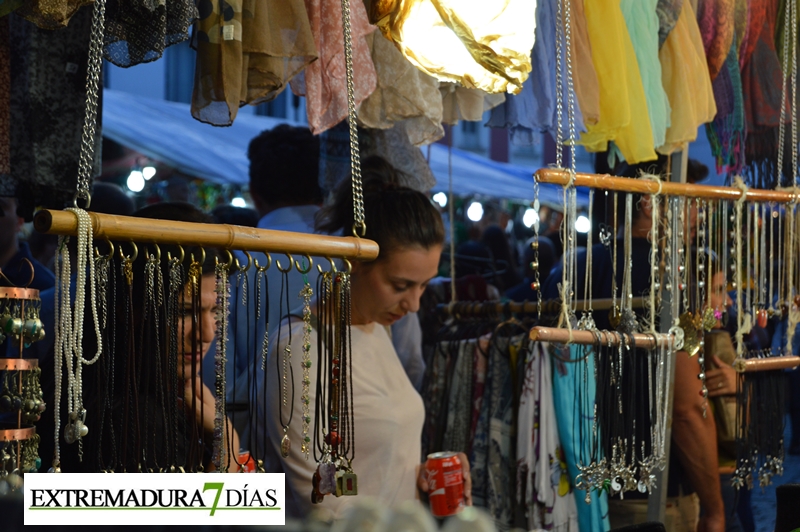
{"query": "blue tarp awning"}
pixel 165 131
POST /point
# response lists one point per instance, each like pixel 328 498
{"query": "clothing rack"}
pixel 562 336
pixel 124 228
pixel 667 188
pixel 550 307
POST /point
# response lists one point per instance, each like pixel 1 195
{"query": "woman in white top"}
pixel 388 412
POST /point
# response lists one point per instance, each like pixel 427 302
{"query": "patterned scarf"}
pixel 761 86
pixel 727 132
pixel 716 21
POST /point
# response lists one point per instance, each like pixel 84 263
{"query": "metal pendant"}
pixel 69 433
pixel 691 333
pixel 709 319
pixel 349 483
pixel 286 445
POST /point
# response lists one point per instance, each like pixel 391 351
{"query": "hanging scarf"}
pixel 726 133
pixel 668 12
pixel 715 18
pixel 50 14
pixel 761 86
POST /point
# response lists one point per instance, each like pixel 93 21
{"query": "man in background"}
pixel 13 253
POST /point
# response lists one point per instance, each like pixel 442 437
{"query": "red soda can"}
pixel 247 461
pixel 445 483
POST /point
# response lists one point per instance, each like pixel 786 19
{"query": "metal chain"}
pixel 359 225
pixel 86 161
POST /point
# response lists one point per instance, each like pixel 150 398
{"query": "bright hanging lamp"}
pixel 481 44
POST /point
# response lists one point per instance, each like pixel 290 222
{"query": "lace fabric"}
pixel 138 31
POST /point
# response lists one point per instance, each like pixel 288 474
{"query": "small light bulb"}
pixel 135 181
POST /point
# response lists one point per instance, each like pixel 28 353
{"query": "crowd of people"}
pixel 386 328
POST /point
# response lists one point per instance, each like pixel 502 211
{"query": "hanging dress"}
pixel 247 51
pixel 324 82
pixel 684 73
pixel 404 93
pixel 623 106
pixel 138 31
pixel 642 23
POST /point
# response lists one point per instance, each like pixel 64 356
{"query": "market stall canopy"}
pixel 166 132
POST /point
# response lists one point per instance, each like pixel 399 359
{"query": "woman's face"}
pixel 386 290
pixel 189 361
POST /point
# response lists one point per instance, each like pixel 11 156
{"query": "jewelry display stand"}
pixel 21 394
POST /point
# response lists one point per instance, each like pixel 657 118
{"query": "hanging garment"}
pixel 46 130
pixel 541 463
pixel 5 101
pixel 587 87
pixel 247 51
pixel 324 82
pixel 750 24
pixel 534 108
pixel 684 73
pixel 480 367
pixel 459 407
pixel 404 93
pixel 138 31
pixel 726 132
pixel 575 418
pixel 434 396
pixel 460 103
pixel 762 78
pixel 494 458
pixel 716 23
pixel 668 12
pixel 623 106
pixel 50 14
pixel 642 23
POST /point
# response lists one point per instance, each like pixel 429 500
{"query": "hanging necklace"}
pixel 283 362
pixel 305 294
pixel 221 456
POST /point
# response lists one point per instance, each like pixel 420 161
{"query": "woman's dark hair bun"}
pixel 396 216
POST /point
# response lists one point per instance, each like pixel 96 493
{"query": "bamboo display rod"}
pixel 467 308
pixel 559 335
pixel 224 236
pixel 743 365
pixel 668 188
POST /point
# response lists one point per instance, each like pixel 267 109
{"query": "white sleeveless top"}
pixel 388 419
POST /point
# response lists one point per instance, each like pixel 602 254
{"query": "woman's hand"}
pixel 721 380
pixel 205 420
pixel 422 481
